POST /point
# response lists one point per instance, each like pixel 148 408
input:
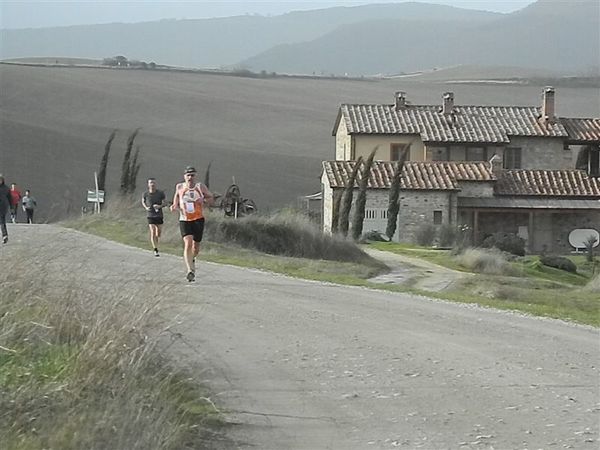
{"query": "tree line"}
pixel 342 203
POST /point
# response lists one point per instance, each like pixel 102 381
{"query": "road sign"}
pixel 91 197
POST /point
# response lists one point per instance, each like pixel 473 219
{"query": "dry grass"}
pixel 489 262
pixel 80 369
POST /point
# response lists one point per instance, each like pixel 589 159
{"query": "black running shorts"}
pixel 155 220
pixel 194 228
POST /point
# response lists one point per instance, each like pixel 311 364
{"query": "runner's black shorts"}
pixel 194 228
pixel 155 220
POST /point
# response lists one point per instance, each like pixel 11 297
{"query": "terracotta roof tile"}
pixel 490 124
pixel 582 130
pixel 552 183
pixel 436 175
pixel 416 175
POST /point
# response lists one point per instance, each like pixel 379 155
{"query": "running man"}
pixel 153 202
pixel 29 204
pixel 5 202
pixel 190 198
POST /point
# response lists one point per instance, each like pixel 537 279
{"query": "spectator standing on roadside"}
pixel 153 202
pixel 15 196
pixel 5 203
pixel 29 204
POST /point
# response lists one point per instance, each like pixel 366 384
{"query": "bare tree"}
pixel 361 199
pixel 393 203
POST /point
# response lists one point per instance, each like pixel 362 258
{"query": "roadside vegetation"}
pixel 81 369
pixel 284 242
pixel 287 243
pixel 521 283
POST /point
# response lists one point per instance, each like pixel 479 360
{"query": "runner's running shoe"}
pixel 156 252
pixel 191 276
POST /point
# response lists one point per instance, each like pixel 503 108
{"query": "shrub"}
pixel 589 246
pixel 559 262
pixel 491 262
pixel 593 285
pixel 374 236
pixel 284 233
pixel 507 242
pixel 425 235
pixel 448 235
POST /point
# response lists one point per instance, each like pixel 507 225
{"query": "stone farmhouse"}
pixel 513 169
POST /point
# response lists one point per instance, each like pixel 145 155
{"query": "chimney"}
pixel 548 104
pixel 400 100
pixel 496 165
pixel 448 102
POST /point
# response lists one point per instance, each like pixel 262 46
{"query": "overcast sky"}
pixel 28 14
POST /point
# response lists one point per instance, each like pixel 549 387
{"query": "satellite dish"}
pixel 578 237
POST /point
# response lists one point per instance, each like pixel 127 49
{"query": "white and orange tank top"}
pixel 190 202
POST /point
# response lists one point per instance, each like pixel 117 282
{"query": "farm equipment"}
pixel 234 205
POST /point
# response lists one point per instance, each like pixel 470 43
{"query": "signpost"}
pixel 95 196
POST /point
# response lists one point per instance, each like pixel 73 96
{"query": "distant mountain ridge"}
pixel 211 42
pixel 362 40
pixel 566 39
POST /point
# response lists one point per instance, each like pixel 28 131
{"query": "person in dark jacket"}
pixel 5 202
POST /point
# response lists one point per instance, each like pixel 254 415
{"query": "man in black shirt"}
pixel 153 201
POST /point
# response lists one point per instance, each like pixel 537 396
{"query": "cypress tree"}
pixel 104 161
pixel 346 203
pixel 393 203
pixel 361 199
pixel 126 166
pixel 133 171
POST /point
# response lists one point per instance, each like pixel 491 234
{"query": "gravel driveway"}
pixel 306 365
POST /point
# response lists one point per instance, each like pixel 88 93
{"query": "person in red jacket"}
pixel 15 201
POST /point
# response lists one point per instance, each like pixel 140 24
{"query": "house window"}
pixel 512 158
pixel 396 151
pixel 437 217
pixel 384 213
pixel 370 214
pixel 476 154
pixel 440 154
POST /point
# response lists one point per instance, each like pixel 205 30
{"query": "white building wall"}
pixel 364 145
pixel 343 143
pixel 327 203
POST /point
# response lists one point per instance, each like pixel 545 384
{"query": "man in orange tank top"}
pixel 189 199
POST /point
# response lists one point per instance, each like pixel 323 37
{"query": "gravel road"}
pixel 306 365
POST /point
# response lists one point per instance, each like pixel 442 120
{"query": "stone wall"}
pixel 476 189
pixel 543 153
pixel 550 233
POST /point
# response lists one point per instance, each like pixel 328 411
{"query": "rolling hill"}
pixel 549 34
pixel 212 42
pixel 270 134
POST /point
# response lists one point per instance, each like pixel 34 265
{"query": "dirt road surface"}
pixel 305 365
